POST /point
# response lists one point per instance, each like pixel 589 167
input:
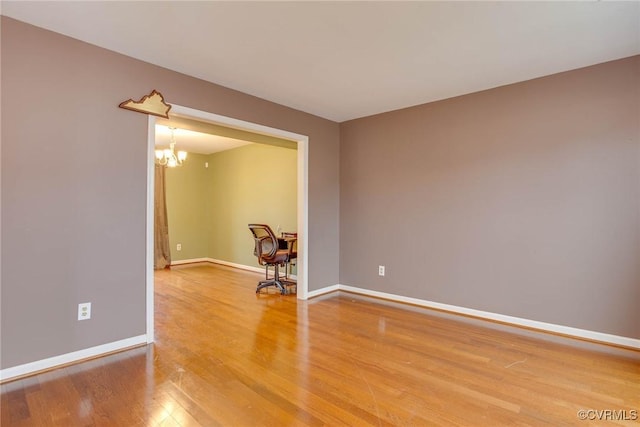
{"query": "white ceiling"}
pixel 343 60
pixel 195 142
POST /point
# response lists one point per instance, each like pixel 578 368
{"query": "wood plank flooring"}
pixel 224 356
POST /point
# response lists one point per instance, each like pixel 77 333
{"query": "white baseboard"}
pixel 322 291
pixel 234 265
pixel 76 356
pixel 517 321
pixel 190 261
pixel 226 263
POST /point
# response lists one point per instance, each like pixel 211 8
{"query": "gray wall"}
pixel 522 200
pixel 74 188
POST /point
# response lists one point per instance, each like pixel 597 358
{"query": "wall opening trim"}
pixel 302 196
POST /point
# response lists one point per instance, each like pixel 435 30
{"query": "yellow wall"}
pixel 186 188
pixel 209 208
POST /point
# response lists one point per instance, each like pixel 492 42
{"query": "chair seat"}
pixel 278 258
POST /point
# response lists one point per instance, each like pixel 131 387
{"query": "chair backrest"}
pixel 266 243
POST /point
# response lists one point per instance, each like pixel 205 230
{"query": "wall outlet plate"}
pixel 84 311
pixel 381 270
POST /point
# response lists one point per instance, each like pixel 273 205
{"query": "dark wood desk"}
pixel 288 241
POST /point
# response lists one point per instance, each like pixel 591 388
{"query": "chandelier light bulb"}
pixel 168 157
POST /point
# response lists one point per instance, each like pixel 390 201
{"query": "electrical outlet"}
pixel 84 311
pixel 179 246
pixel 381 270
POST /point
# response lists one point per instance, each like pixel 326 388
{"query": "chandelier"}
pixel 168 157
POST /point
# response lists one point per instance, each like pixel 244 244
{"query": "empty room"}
pixel 436 221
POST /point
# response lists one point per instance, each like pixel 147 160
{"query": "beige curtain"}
pixel 162 256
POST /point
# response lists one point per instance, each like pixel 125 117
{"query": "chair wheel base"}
pixel 281 285
pixel 278 284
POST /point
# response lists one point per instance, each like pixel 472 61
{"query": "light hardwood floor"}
pixel 225 356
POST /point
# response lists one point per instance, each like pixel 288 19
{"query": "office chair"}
pixel 269 254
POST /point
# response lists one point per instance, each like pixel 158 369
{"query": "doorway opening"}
pixel 302 142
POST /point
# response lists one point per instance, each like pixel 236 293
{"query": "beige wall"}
pixel 252 184
pixel 209 208
pixel 522 200
pixel 186 190
pixel 74 188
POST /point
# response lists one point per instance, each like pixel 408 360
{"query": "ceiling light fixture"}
pixel 168 157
